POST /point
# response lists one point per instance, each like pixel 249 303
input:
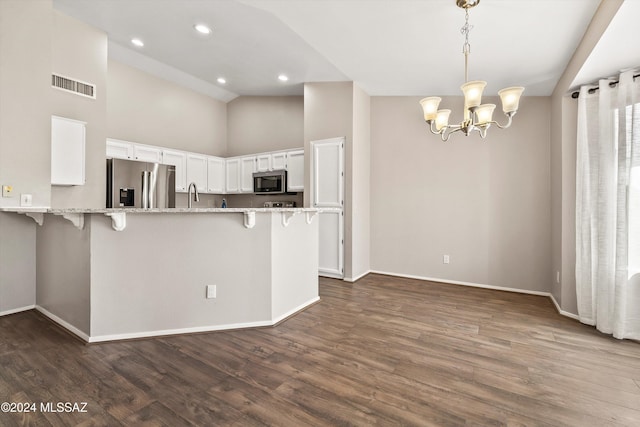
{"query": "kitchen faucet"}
pixel 196 196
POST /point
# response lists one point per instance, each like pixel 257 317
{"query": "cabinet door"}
pixel 197 171
pixel 263 163
pixel 232 175
pixel 67 151
pixel 331 244
pixel 119 149
pixel 247 168
pixel 215 175
pixel 327 179
pixel 279 161
pixel 179 160
pixel 327 189
pixel 295 171
pixel 147 153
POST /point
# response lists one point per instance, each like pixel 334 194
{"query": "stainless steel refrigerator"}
pixel 140 184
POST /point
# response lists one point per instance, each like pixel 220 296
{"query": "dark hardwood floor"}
pixel 382 351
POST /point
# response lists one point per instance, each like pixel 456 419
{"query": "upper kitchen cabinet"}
pixel 232 175
pixel 247 168
pixel 147 153
pixel 239 174
pixel 197 171
pixel 271 161
pixel 119 149
pixel 295 171
pixel 215 175
pixel 67 151
pixel 179 160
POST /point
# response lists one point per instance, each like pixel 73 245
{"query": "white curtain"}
pixel 608 207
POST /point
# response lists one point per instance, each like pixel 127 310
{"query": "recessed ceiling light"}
pixel 283 78
pixel 137 42
pixel 222 80
pixel 202 29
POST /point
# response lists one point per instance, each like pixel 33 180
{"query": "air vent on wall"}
pixel 73 86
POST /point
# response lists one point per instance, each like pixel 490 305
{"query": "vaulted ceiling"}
pixel 389 47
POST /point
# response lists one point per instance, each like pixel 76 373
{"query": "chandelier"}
pixel 477 117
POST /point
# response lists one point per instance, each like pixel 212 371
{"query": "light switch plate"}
pixel 26 200
pixel 211 291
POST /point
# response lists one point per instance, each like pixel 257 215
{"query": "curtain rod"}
pixel 576 94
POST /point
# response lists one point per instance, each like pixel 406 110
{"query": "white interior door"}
pixel 327 184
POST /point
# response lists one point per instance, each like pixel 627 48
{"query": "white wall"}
pixel 25 109
pixel 257 124
pixel 25 140
pixel 62 260
pixel 329 113
pixel 17 263
pixel 360 184
pixel 486 204
pixel 80 52
pixel 146 109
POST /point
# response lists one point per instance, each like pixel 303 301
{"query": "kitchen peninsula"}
pixel 108 274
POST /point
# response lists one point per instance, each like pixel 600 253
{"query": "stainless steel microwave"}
pixel 272 182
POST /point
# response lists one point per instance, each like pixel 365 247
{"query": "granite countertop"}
pixel 157 210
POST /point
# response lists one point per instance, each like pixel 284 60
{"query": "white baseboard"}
pixel 165 332
pixel 479 285
pixel 68 326
pixel 473 285
pixel 17 310
pixel 561 311
pixel 355 279
pixel 291 312
pixel 177 331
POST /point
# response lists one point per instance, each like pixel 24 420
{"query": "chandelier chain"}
pixel 466 47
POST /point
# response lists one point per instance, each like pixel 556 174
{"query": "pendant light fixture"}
pixel 477 117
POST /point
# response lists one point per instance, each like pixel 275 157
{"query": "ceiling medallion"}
pixel 477 117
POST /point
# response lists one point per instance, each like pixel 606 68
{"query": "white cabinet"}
pixel 197 171
pixel 295 171
pixel 247 168
pixel 271 161
pixel 232 175
pixel 117 149
pixel 147 153
pixel 239 174
pixel 327 191
pixel 215 175
pixel 67 151
pixel 279 161
pixel 179 160
pixel 263 162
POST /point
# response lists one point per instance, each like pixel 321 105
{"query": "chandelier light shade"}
pixel 477 116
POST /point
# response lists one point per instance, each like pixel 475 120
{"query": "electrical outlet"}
pixel 7 190
pixel 445 259
pixel 211 291
pixel 26 200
